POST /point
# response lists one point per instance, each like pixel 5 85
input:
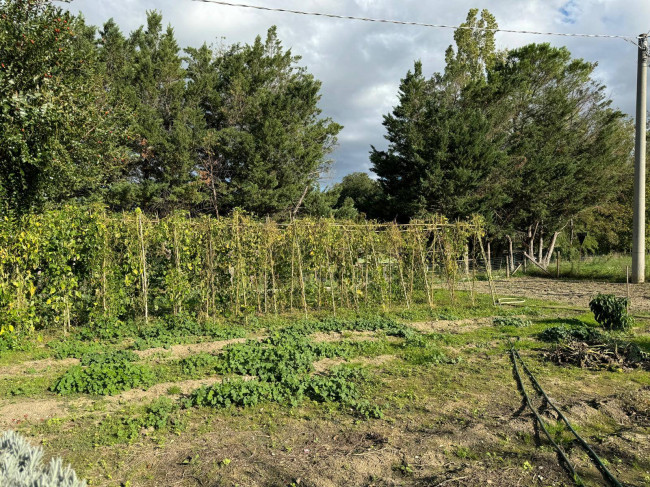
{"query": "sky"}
pixel 360 64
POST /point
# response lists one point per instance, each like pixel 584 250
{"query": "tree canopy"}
pixel 136 121
pixel 527 138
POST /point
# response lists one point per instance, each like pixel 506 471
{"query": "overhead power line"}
pixel 632 39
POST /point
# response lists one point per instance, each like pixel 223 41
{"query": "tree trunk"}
pixel 540 251
pixel 549 252
pixel 302 198
pixel 489 257
pixel 532 259
pixel 511 254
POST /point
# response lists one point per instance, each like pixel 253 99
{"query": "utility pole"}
pixel 638 232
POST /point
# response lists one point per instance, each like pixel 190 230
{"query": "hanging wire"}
pixel 632 39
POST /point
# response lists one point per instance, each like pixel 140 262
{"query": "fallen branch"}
pixel 536 263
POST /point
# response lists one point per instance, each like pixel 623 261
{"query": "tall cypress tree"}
pixel 162 177
pixel 265 142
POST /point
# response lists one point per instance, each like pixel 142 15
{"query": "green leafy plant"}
pixel 195 365
pixel 280 367
pixel 116 357
pixel 104 378
pixel 561 333
pixel 75 348
pixel 610 312
pixel 160 415
pixel 511 321
pixel 11 340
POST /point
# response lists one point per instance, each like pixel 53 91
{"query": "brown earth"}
pixel 576 293
pixel 453 435
pixel 182 351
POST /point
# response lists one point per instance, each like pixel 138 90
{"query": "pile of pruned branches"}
pixel 603 355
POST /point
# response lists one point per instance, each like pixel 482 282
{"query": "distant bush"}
pixel 21 465
pixel 611 312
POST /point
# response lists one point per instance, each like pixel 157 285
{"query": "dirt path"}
pixel 451 326
pixel 36 367
pixel 577 293
pixel 182 351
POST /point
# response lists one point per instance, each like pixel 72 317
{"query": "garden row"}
pixel 71 266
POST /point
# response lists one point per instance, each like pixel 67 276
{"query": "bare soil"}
pixel 182 351
pixel 35 367
pixel 576 293
pixel 451 326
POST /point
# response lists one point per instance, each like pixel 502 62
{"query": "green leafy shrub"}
pixel 115 357
pixel 378 323
pixel 181 329
pixel 281 365
pixel 75 348
pixel 610 312
pixel 108 329
pixel 512 321
pixel 161 414
pixel 197 364
pixel 563 333
pixel 11 340
pixel 21 465
pixel 104 378
pixel 238 392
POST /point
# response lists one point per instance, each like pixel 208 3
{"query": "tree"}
pixel 442 154
pixel 364 193
pixel 59 136
pixel 151 80
pixel 528 140
pixel 264 145
pixel 569 150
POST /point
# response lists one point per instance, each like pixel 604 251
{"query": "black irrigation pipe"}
pixel 559 450
pixel 597 461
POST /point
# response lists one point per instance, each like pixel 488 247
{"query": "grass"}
pixel 449 403
pixel 604 268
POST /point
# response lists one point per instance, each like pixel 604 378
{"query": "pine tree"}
pixel 164 176
pixel 265 143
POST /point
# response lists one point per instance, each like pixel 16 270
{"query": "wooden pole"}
pixel 627 284
pixel 489 257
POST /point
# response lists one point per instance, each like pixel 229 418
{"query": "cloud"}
pixel 361 64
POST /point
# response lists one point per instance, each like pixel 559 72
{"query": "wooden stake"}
pixel 489 273
pixel 627 284
pixel 143 257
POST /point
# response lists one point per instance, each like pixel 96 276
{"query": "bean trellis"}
pixel 70 266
